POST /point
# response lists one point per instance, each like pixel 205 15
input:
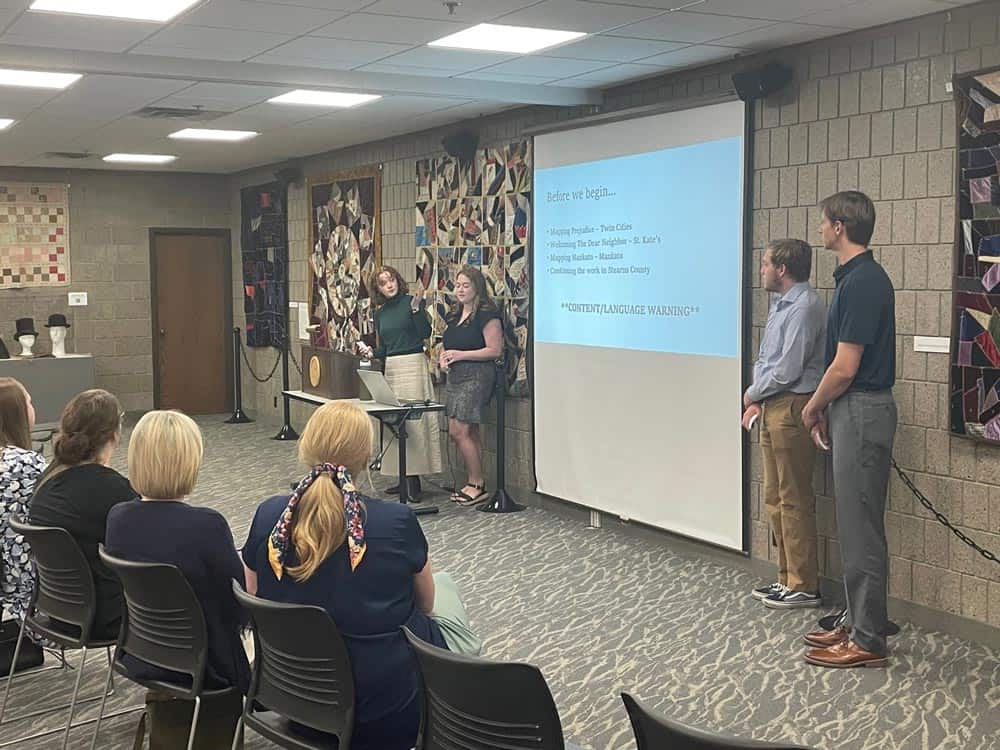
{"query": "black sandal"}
pixel 465 500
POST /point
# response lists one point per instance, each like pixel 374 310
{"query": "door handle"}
pixel 163 332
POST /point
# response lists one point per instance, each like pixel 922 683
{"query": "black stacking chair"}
pixel 654 732
pixel 163 625
pixel 301 674
pixel 62 610
pixel 472 702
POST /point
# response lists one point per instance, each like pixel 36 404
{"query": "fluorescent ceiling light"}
pixel 136 10
pixel 208 134
pixel 324 98
pixel 37 79
pixel 5 123
pixel 140 158
pixel 491 37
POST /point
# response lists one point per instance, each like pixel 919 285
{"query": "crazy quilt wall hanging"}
pixel 264 252
pixel 477 214
pixel 34 235
pixel 346 248
pixel 975 345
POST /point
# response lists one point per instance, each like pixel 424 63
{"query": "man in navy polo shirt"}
pixel 853 410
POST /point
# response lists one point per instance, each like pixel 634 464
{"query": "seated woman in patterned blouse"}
pixel 20 468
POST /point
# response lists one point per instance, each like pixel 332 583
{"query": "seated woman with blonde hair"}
pixel 164 456
pixel 366 563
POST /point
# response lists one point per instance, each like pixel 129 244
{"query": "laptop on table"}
pixel 382 392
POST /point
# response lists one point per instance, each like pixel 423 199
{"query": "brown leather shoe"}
pixel 827 638
pixel 844 655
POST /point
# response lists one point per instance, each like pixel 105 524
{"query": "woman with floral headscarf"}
pixel 365 562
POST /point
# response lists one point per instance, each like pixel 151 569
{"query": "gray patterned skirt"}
pixel 470 385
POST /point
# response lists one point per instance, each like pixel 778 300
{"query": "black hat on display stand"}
pixel 25 327
pixel 57 320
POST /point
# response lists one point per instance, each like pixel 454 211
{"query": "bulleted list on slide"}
pixel 641 251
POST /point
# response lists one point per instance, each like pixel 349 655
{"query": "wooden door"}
pixel 192 320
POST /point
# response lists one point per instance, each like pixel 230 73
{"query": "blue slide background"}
pixel 691 197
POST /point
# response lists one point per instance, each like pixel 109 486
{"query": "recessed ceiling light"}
pixel 37 79
pixel 324 98
pixel 208 134
pixel 5 123
pixel 491 37
pixel 140 158
pixel 136 10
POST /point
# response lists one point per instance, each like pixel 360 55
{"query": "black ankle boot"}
pixel 413 484
pixel 394 490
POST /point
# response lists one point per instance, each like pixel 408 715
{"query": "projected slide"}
pixel 627 250
pixel 637 314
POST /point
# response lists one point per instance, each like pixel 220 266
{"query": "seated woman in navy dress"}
pixel 363 560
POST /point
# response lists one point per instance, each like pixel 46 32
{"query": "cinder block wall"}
pixel 869 111
pixel 110 217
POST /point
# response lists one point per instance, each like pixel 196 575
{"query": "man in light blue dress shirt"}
pixel 789 366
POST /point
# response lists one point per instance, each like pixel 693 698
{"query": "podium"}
pixel 333 375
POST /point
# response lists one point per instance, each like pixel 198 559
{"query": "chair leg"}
pixel 104 700
pixel 194 723
pixel 239 732
pixel 13 665
pixel 72 702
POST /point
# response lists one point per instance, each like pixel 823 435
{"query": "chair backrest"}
pixel 471 702
pixel 301 667
pixel 163 623
pixel 64 583
pixel 654 732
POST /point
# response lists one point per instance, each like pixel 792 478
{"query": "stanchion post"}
pixel 239 417
pixel 287 432
pixel 501 502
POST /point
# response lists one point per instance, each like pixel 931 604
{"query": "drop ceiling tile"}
pixel 548 67
pixel 469 12
pixel 261 16
pixel 455 60
pixel 210 94
pixel 107 98
pixel 369 27
pixel 76 32
pixel 573 15
pixel 772 10
pixel 779 35
pixel 612 48
pixel 19 102
pixel 610 76
pixel 267 116
pixel 210 43
pixel 344 5
pixel 689 27
pixel 323 52
pixel 697 54
pixel 860 15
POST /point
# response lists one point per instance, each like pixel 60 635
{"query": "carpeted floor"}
pixel 600 611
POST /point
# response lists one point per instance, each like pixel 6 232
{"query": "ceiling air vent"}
pixel 178 113
pixel 68 155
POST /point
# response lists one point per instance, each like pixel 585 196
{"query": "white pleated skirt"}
pixel 409 378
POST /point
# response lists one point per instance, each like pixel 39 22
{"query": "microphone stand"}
pixel 501 502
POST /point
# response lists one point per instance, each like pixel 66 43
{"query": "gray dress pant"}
pixel 862 428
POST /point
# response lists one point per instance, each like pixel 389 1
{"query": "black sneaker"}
pixel 765 591
pixel 394 490
pixel 789 599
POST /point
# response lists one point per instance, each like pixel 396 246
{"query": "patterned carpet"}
pixel 601 611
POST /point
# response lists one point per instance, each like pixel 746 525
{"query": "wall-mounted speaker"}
pixel 288 175
pixel 461 145
pixel 758 83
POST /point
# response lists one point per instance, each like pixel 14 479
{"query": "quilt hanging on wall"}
pixel 975 348
pixel 477 214
pixel 345 238
pixel 34 235
pixel 264 252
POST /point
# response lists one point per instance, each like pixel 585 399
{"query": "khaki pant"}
pixel 789 456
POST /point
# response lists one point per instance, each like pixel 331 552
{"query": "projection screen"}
pixel 638 318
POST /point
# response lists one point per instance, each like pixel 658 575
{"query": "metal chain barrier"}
pixel 256 377
pixel 295 362
pixel 942 519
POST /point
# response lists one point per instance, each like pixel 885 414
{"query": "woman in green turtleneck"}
pixel 402 327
